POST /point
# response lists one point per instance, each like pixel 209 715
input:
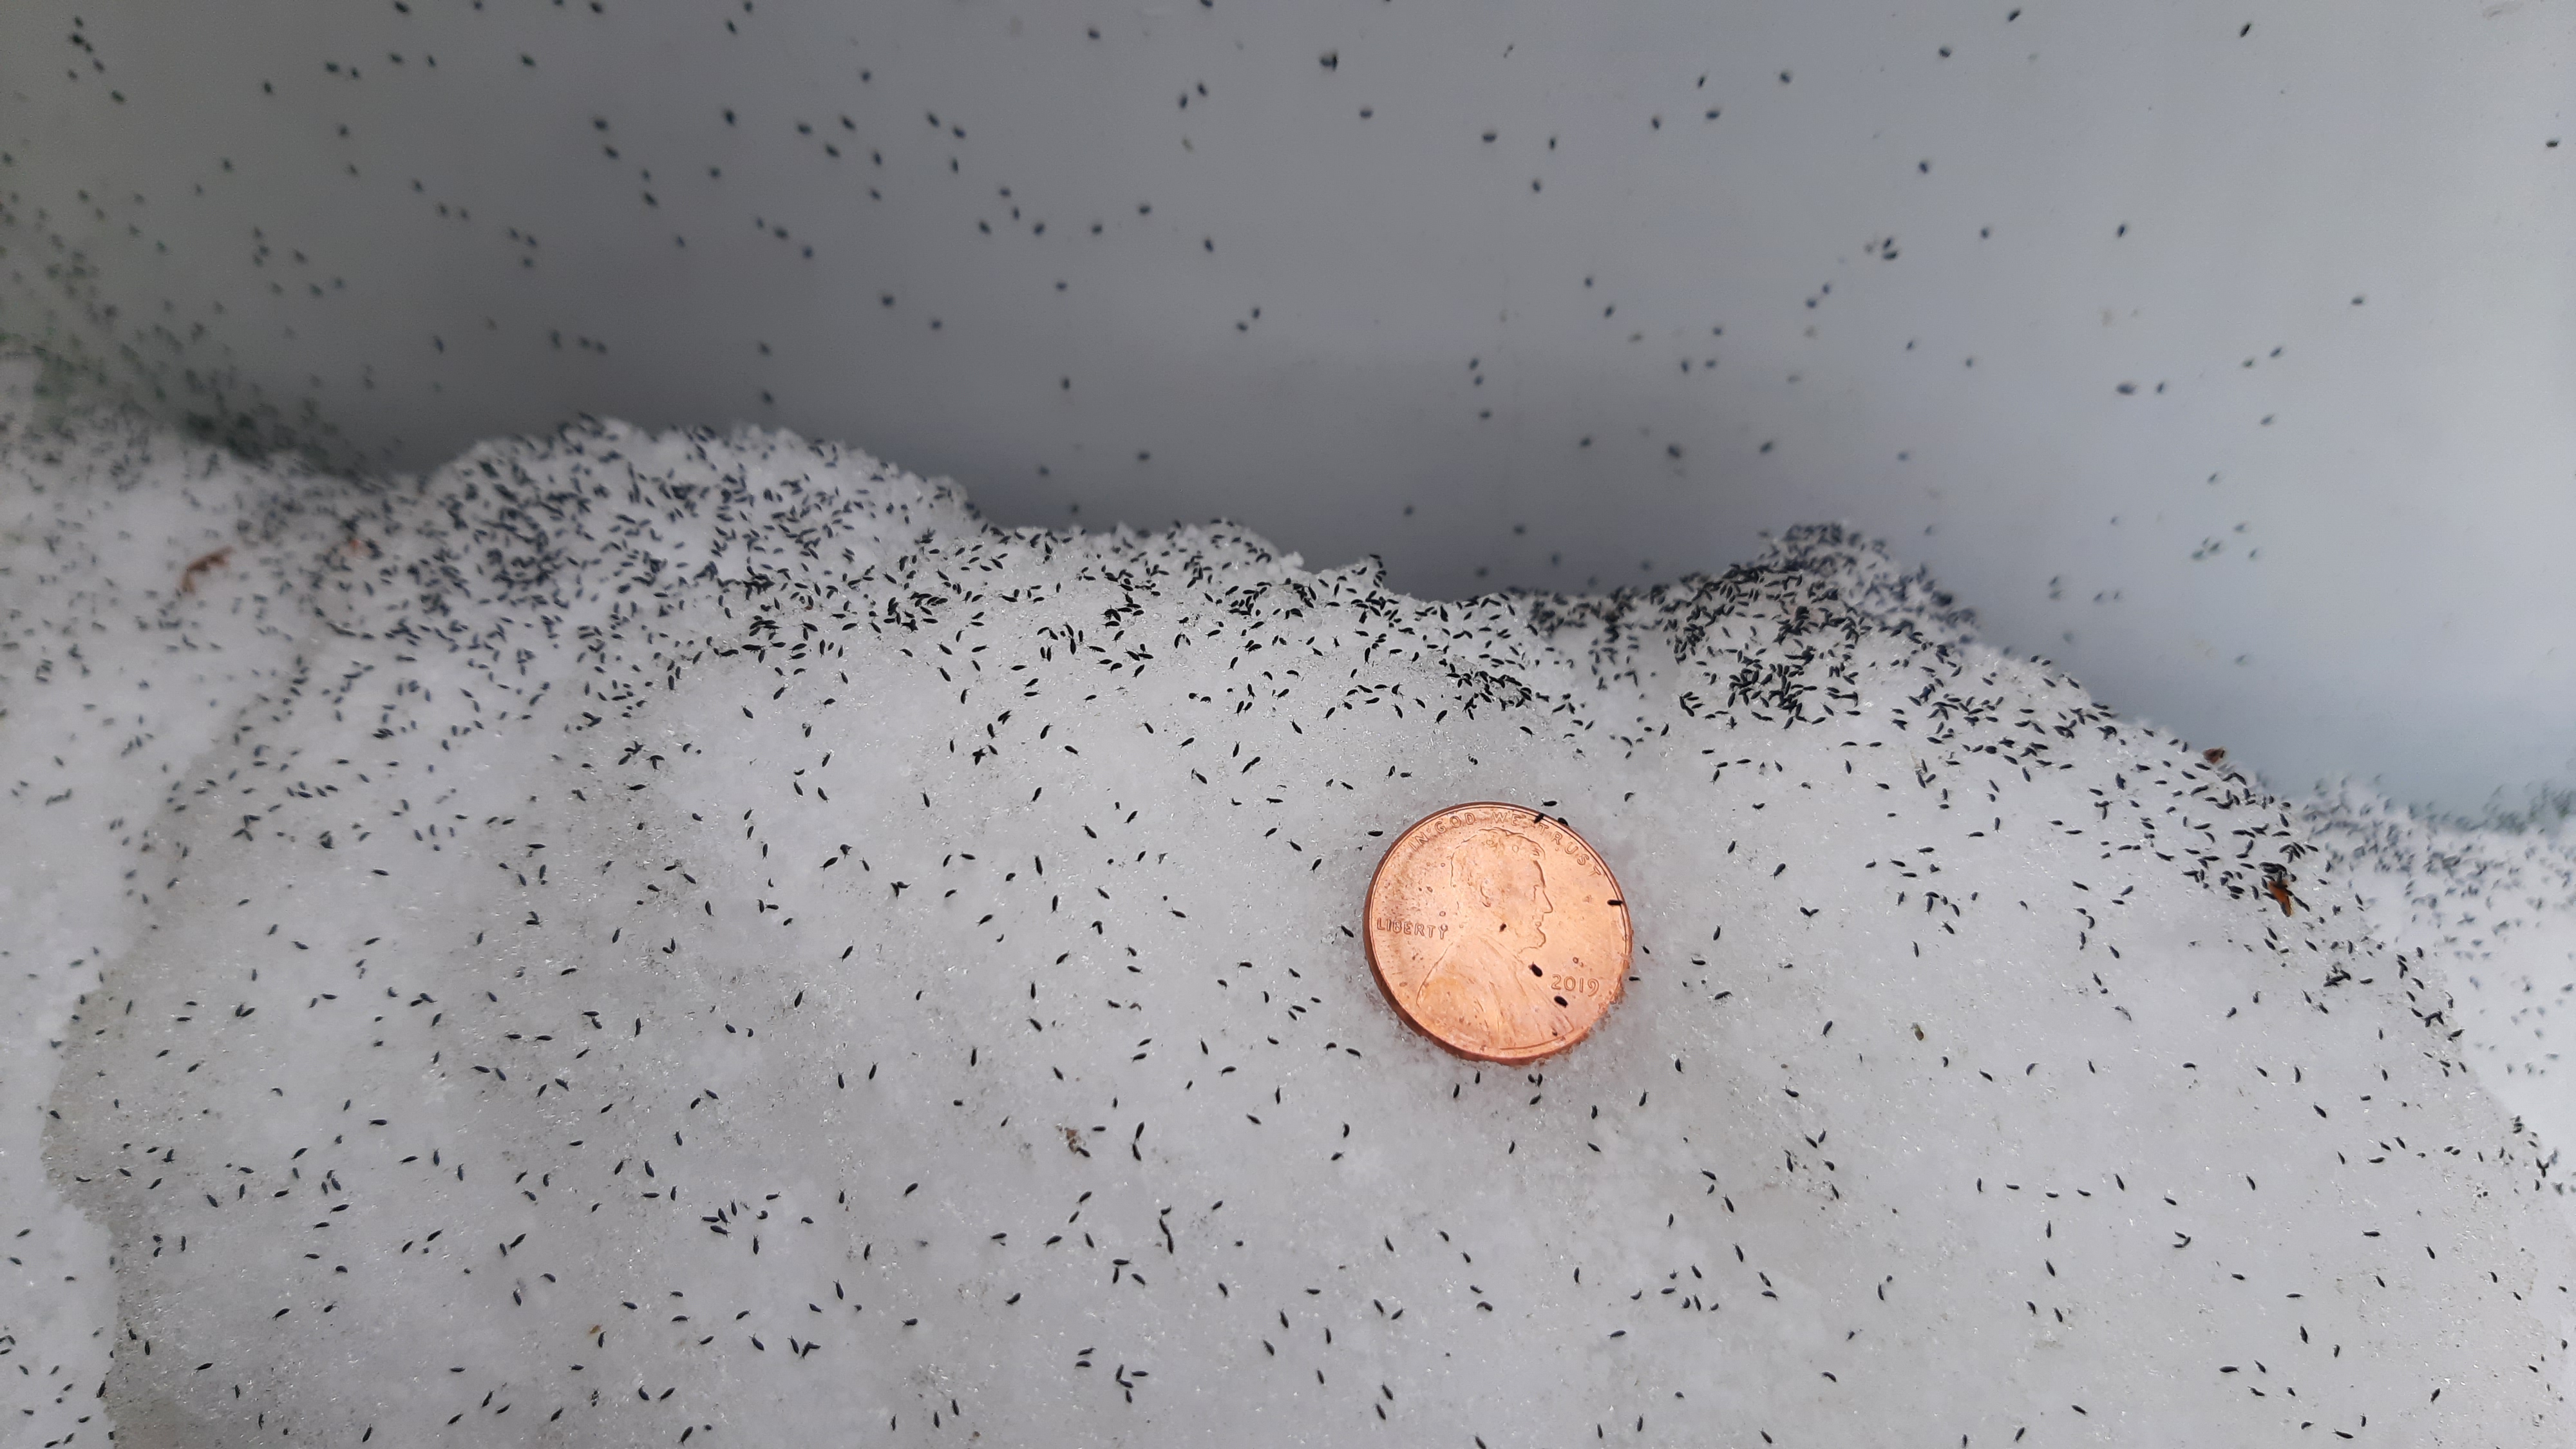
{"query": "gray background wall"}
pixel 2231 367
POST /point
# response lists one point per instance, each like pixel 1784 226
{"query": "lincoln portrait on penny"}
pixel 1488 973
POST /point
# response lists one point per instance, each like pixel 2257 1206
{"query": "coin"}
pixel 1497 931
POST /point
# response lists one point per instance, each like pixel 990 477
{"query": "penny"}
pixel 1497 931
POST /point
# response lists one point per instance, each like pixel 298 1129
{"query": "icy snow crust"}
pixel 692 939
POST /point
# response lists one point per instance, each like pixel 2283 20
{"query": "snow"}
pixel 640 938
pixel 2497 909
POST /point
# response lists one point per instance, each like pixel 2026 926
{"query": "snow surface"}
pixel 2497 910
pixel 649 939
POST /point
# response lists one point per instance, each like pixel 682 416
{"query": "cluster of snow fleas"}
pixel 691 939
pixel 2496 909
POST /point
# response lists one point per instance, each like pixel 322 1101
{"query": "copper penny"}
pixel 1497 932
